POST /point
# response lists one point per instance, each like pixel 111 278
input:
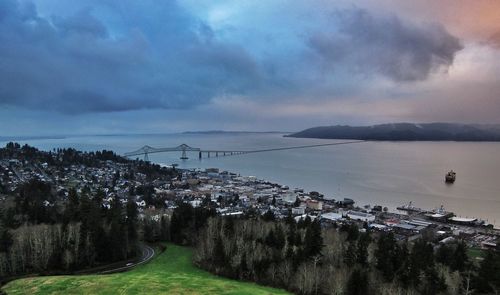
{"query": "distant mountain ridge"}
pixel 406 132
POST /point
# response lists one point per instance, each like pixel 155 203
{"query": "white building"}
pixel 361 216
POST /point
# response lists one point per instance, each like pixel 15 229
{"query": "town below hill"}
pixel 405 132
pixel 66 211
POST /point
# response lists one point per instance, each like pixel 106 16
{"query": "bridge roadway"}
pixel 184 148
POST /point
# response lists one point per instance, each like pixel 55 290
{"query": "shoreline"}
pixel 359 207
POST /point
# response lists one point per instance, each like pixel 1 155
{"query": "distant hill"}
pixel 229 132
pixel 21 138
pixel 405 131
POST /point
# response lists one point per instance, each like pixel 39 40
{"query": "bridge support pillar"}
pixel 146 157
pixel 209 154
pixel 184 155
pixel 199 155
pixel 216 154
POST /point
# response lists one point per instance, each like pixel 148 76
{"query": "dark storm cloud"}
pixel 401 51
pixel 128 55
pixel 75 64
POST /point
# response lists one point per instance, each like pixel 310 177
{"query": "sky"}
pixel 127 66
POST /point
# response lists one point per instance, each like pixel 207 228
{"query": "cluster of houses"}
pixel 13 172
pixel 111 179
pixel 232 194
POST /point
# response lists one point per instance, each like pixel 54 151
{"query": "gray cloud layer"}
pixel 163 58
pixel 388 46
pixel 74 65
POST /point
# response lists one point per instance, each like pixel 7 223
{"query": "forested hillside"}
pixel 66 210
pixel 405 131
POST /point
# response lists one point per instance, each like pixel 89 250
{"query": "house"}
pixel 314 205
pixel 289 197
pixel 331 216
pixel 298 210
pixel 405 229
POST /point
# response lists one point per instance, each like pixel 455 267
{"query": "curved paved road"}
pixel 147 254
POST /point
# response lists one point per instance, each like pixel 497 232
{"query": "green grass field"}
pixel 169 273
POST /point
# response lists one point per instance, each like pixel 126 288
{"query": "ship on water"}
pixel 450 177
pixel 410 208
pixel 440 214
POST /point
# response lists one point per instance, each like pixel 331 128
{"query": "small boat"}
pixel 450 177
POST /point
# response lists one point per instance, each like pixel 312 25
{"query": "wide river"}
pixel 375 173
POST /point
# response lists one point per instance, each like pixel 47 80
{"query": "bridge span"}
pixel 184 148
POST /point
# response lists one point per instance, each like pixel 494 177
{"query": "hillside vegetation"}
pixel 405 131
pixel 170 273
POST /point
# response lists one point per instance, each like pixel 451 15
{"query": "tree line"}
pixel 305 258
pixel 35 238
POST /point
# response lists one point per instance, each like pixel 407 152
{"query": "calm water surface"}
pixel 384 173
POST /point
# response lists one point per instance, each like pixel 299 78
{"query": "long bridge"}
pixel 184 148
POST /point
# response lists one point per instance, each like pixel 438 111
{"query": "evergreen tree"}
pixel 131 224
pixel 385 254
pixel 460 258
pixel 83 246
pixel 268 216
pixel 358 283
pixel 351 230
pixel 271 239
pixel 118 234
pixel 313 241
pixel 148 231
pixel 9 218
pixel 488 275
pixel 350 255
pixel 289 220
pixel 31 202
pixel 423 255
pixel 181 224
pixel 72 212
pixel 444 255
pixel 420 260
pixel 362 248
pixel 434 283
pixel 280 237
pixel 6 240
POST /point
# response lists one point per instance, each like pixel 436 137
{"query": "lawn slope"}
pixel 169 273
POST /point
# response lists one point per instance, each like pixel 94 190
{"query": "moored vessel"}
pixel 409 208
